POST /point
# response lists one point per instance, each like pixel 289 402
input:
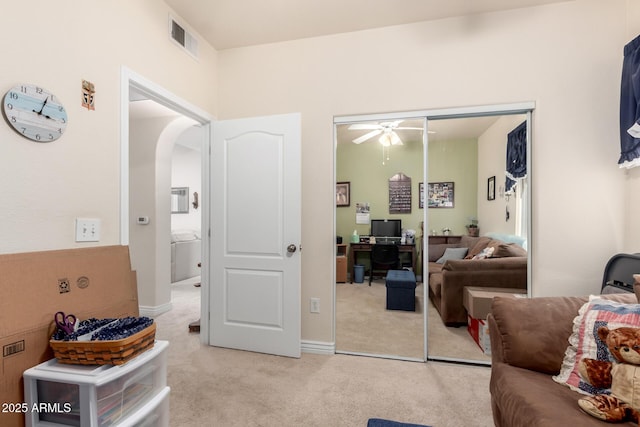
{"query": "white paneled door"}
pixel 255 240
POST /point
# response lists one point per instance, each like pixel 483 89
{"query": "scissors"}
pixel 65 322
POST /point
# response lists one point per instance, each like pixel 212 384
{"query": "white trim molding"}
pixel 154 311
pixel 318 347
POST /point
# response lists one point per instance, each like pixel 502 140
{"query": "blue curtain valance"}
pixel 630 106
pixel 516 156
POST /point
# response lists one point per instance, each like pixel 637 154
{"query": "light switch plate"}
pixel 87 230
pixel 314 305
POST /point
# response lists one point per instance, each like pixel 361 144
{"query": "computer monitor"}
pixel 386 228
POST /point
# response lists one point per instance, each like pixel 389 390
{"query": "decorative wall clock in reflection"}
pixel 34 113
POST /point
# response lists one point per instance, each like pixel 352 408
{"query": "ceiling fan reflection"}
pixel 387 129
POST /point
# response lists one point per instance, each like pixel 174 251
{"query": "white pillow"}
pixel 584 341
pixel 452 253
pixel 486 253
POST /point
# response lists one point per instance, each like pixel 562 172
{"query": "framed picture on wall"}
pixel 421 193
pixel 343 194
pixel 179 200
pixel 491 188
pixel 441 195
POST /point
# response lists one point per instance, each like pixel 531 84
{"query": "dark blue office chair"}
pixel 384 257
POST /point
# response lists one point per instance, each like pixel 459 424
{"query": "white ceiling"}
pixel 228 24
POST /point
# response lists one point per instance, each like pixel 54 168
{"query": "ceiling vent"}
pixel 181 36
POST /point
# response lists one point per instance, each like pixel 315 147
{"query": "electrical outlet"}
pixel 315 305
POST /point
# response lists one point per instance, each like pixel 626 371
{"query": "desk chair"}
pixel 618 273
pixel 384 257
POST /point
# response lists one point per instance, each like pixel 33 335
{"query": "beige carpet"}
pixel 364 325
pixel 221 387
pixel 452 343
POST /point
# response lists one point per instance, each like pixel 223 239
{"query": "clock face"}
pixel 34 113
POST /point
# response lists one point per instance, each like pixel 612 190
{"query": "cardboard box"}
pixel 479 331
pixel 88 282
pixel 478 300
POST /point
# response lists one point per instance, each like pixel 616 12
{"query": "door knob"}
pixel 291 248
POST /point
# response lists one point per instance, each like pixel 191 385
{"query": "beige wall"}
pixel 186 171
pixel 566 57
pixel 151 148
pixel 56 45
pixel 145 166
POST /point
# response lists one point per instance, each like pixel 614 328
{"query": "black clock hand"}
pixel 41 109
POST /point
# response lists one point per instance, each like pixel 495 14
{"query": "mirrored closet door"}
pixel 445 176
pixel 477 226
pixel 379 171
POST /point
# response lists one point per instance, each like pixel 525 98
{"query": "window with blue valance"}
pixel 516 157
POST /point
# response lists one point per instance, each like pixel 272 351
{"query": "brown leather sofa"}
pixel 448 280
pixel 528 341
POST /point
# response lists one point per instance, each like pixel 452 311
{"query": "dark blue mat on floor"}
pixel 377 422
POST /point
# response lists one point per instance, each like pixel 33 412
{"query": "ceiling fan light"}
pixel 395 139
pixel 385 140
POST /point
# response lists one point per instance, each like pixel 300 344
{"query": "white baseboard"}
pixel 318 347
pixel 154 311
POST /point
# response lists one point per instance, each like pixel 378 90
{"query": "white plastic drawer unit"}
pixel 106 395
pixel 154 414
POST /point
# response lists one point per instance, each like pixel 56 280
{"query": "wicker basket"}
pixel 112 352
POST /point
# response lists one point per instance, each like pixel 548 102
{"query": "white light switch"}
pixel 87 230
pixel 315 305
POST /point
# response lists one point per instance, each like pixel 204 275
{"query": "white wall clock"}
pixel 34 113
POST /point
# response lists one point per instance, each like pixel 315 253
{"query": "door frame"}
pixel 526 107
pixel 130 79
